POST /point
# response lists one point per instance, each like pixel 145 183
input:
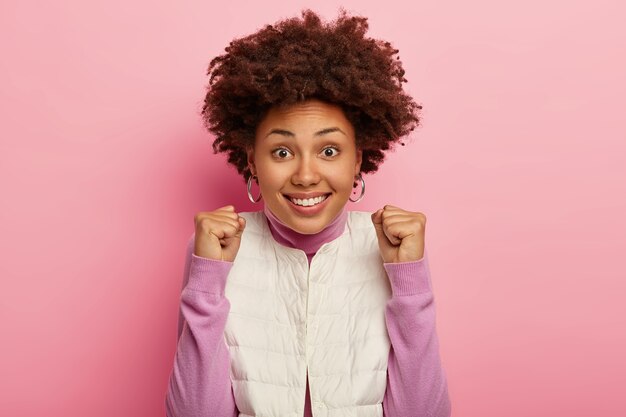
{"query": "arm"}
pixel 416 381
pixel 199 384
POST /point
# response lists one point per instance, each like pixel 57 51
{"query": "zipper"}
pixel 306 326
pixel 306 315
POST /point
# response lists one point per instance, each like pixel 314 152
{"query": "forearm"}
pixel 199 384
pixel 416 381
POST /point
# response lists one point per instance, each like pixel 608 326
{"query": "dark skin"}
pixel 301 160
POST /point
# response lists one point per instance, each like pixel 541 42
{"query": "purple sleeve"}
pixel 199 383
pixel 416 381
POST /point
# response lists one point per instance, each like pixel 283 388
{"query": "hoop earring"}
pixel 362 190
pixel 250 188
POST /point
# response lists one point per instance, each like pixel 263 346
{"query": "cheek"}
pixel 341 177
pixel 273 177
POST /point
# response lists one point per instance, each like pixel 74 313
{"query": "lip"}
pixel 304 196
pixel 309 210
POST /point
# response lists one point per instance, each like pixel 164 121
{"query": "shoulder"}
pixel 361 235
pixel 361 228
pixel 254 215
pixel 255 221
pixel 360 220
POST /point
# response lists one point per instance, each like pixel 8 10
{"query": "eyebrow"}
pixel 318 133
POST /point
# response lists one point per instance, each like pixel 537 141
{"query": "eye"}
pixel 280 153
pixel 331 151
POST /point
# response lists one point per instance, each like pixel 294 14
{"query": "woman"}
pixel 304 308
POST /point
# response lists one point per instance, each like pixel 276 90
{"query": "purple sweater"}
pixel 199 384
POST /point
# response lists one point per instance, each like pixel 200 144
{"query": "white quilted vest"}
pixel 285 317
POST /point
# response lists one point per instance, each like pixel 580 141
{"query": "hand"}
pixel 400 234
pixel 218 233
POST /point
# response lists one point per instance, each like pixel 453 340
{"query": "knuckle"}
pixel 419 218
pixel 230 213
pixel 205 224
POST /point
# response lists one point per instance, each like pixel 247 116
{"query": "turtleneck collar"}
pixel 286 236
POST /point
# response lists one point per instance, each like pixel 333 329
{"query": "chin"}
pixel 308 229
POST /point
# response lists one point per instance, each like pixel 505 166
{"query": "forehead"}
pixel 311 114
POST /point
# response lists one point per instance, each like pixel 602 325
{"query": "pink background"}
pixel 520 168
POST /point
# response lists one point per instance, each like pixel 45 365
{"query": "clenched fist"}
pixel 400 234
pixel 218 233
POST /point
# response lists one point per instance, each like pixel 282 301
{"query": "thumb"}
pixel 242 226
pixel 377 220
pixel 229 251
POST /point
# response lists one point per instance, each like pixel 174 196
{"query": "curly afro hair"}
pixel 297 59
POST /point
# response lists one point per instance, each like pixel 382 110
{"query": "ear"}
pixel 359 160
pixel 250 157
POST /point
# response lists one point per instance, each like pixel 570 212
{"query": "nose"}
pixel 306 172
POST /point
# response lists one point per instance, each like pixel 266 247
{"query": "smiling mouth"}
pixel 307 202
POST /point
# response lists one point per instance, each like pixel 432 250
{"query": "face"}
pixel 306 161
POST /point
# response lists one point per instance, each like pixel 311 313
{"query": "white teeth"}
pixel 309 201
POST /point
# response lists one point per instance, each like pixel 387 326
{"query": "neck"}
pixel 286 236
